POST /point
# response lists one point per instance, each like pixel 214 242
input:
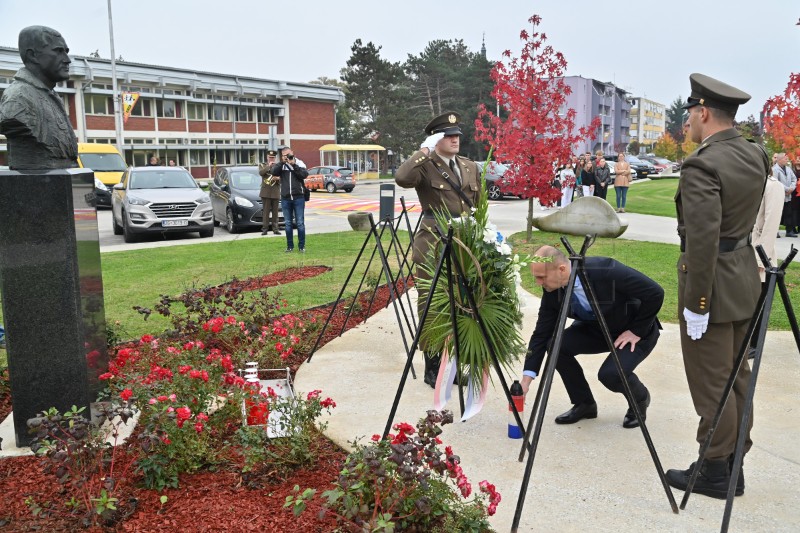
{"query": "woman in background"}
pixel 622 180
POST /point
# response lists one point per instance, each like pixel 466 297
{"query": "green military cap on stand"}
pixel 707 91
pixel 446 123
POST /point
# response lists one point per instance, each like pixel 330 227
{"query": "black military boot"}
pixel 432 361
pixel 740 480
pixel 712 481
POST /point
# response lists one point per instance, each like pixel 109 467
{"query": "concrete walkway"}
pixel 594 475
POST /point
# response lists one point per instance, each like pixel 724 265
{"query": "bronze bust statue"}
pixel 32 115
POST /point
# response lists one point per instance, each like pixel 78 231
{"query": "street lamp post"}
pixel 116 99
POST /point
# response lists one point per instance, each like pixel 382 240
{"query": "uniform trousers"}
pixel 270 213
pixel 708 363
pixel 587 338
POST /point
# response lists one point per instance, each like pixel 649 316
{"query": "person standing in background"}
pixel 622 180
pixel 270 194
pixel 602 175
pixel 783 173
pixel 292 178
pixel 567 178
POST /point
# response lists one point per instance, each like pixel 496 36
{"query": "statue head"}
pixel 45 53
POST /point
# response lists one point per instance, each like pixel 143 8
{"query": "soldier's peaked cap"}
pixel 707 91
pixel 272 153
pixel 447 123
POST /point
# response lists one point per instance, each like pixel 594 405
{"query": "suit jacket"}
pixel 718 197
pixel 424 173
pixel 628 300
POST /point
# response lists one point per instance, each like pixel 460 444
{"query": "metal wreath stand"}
pixel 447 260
pixel 401 256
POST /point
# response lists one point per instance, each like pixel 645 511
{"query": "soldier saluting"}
pixel 444 181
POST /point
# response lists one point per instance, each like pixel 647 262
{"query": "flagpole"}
pixel 114 88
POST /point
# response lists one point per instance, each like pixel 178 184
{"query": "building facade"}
pixel 591 98
pixel 648 122
pixel 197 119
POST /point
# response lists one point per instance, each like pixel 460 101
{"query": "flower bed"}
pixel 192 464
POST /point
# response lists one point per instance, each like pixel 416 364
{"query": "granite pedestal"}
pixel 52 292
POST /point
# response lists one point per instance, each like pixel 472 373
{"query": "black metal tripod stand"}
pixel 774 277
pixel 448 260
pixel 543 392
pixel 401 256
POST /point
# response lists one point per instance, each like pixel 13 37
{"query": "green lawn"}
pixel 655 197
pixel 656 260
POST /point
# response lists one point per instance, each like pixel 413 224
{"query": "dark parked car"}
pixel 330 178
pixel 234 197
pixel 160 200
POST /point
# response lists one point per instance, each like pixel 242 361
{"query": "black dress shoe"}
pixel 630 420
pixel 264 232
pixel 712 481
pixel 432 362
pixel 578 412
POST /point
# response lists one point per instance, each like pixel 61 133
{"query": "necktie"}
pixel 578 311
pixel 453 169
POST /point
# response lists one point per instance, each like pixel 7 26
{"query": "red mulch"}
pixel 205 501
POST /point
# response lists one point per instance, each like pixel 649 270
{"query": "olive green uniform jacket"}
pixel 424 173
pixel 718 197
pixel 270 186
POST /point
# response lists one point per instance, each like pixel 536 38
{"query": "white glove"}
pixel 696 324
pixel 431 141
pixel 299 163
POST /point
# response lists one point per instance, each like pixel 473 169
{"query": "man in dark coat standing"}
pixel 629 302
pixel 444 181
pixel 292 173
pixel 718 284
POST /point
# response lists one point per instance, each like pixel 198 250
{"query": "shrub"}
pixel 404 482
pixel 87 466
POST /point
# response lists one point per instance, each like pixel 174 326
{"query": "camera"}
pixel 289 156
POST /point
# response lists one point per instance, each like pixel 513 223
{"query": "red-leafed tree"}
pixel 537 130
pixel 782 117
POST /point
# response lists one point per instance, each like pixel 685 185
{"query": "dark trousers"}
pixel 586 338
pixel 709 363
pixel 270 213
pixel 601 191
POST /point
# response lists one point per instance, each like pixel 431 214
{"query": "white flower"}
pixel 503 248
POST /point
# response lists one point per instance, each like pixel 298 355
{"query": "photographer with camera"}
pixel 292 173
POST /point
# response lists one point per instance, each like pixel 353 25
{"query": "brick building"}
pixel 198 119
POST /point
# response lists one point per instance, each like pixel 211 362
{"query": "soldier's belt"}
pixel 725 245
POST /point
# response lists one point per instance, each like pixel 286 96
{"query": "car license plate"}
pixel 173 223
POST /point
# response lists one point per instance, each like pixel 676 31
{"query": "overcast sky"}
pixel 648 48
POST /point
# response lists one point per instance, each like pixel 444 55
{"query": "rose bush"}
pixel 404 482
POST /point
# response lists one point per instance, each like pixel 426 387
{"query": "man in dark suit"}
pixel 444 181
pixel 718 284
pixel 629 301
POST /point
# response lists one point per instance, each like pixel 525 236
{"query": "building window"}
pixel 196 111
pixel 266 115
pixel 98 104
pixel 169 109
pixel 198 157
pixel 245 114
pixel 220 112
pixel 143 108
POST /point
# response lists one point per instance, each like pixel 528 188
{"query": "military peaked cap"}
pixel 707 91
pixel 272 153
pixel 447 123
